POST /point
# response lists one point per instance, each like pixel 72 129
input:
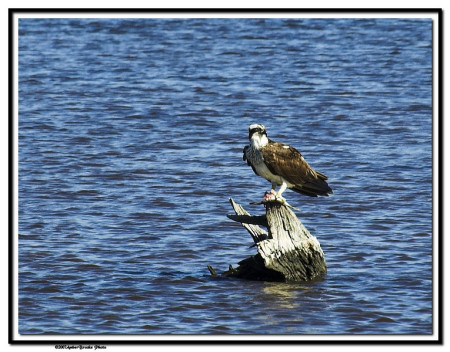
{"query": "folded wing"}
pixel 287 162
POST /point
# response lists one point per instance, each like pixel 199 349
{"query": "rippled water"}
pixel 130 144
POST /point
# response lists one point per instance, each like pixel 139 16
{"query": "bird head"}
pixel 257 130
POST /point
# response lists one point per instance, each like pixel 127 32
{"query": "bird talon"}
pixel 268 197
pixel 274 197
pixel 280 199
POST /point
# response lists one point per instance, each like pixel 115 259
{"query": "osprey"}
pixel 282 165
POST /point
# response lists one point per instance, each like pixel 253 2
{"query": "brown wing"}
pixel 288 162
pixel 248 161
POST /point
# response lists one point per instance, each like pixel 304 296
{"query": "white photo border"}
pixel 434 14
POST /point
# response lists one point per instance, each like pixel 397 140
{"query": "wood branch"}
pixel 250 220
pixel 287 252
pixel 257 233
pixel 212 271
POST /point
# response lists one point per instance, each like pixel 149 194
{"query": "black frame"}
pixel 437 176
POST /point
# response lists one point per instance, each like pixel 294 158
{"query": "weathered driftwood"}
pixel 286 252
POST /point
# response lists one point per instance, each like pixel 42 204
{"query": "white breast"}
pixel 263 171
pixel 255 157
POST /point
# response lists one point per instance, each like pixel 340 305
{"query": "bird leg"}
pixel 274 185
pixel 281 190
pixel 270 196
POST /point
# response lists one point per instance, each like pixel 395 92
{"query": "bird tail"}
pixel 318 187
pixel 313 191
pixel 321 175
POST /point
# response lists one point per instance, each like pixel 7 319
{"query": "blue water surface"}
pixel 130 144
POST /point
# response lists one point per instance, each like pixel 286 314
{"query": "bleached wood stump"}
pixel 286 252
